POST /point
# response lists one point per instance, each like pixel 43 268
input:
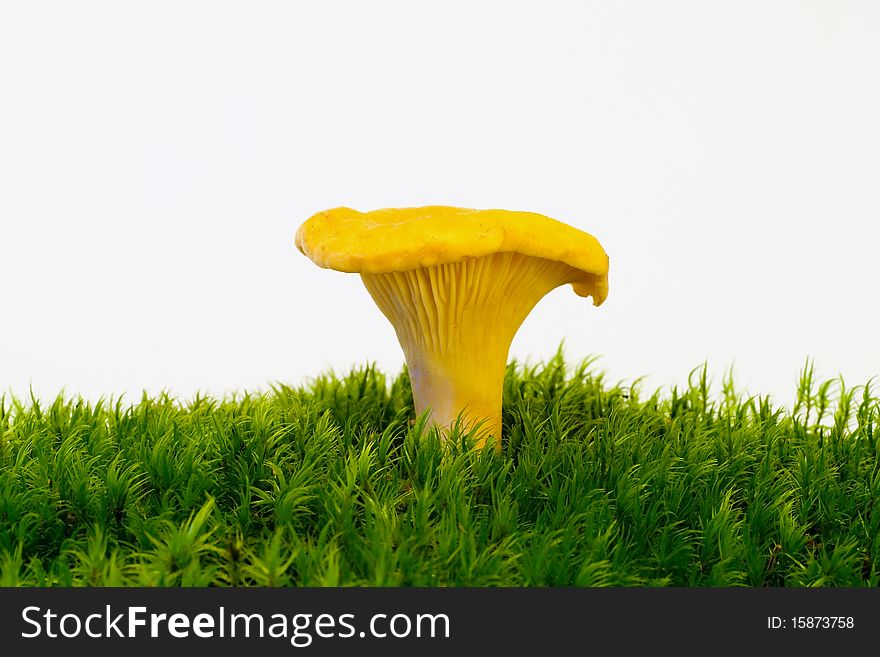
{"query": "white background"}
pixel 156 159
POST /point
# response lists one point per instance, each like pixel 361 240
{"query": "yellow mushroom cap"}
pixel 402 239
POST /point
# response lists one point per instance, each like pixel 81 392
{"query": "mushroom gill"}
pixel 455 323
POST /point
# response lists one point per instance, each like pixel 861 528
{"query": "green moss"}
pixel 334 483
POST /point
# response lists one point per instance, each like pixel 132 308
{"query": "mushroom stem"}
pixel 455 323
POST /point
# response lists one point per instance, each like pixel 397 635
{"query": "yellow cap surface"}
pixel 402 239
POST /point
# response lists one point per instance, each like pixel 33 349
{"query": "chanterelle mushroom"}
pixel 456 285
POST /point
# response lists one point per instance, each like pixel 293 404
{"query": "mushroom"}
pixel 456 284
